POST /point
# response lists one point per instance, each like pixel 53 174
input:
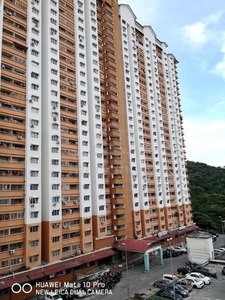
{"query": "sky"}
pixel 195 33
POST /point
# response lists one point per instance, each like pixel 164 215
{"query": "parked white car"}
pixel 218 251
pixel 52 296
pixel 170 277
pixel 196 283
pixel 205 279
pixel 180 249
pixel 221 248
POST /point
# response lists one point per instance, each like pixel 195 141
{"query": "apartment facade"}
pixel 91 138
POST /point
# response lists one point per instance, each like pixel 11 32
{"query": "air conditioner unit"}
pixel 75 201
pixel 57 142
pixel 64 202
pixel 54 119
pixel 32 205
pixel 12 251
pixel 19 137
pixel 31 101
pixel 31 125
pixel 32 44
pixel 78 252
pixel 102 223
pixel 54 204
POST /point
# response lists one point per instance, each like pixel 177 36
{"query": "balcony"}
pixel 10 150
pixel 9 165
pixel 118 222
pixel 13 87
pixel 12 179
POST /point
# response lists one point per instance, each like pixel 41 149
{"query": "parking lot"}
pixel 140 281
pixel 210 292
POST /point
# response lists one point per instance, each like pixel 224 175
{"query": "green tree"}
pixel 207 189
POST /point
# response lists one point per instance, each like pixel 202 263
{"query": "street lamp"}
pixel 128 289
pixel 171 263
pixel 222 222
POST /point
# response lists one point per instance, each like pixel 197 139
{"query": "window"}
pixel 34 110
pixel 34 214
pixel 55 174
pixel 34 243
pixel 55 212
pixel 55 150
pixel 54 61
pixel 55 162
pixel 34 174
pixel 33 200
pixel 87 245
pixel 54 82
pixel 54 72
pixel 55 126
pixel 55 138
pixel 55 186
pixel 35 53
pixel 34 86
pixel 54 93
pixel 4 201
pixel 87 233
pixel 34 134
pixel 4 232
pixel 33 258
pixel 53 12
pixel 54 41
pixel 34 63
pixel 87 209
pixel 16 230
pixel 55 199
pixel 34 229
pixel 53 21
pixel 34 98
pixel 34 187
pixel 56 253
pixel 34 160
pixel 55 239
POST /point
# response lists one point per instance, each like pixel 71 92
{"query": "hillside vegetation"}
pixel 207 189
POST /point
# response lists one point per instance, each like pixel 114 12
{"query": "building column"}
pixel 160 256
pixel 146 261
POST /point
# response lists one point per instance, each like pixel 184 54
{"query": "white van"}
pixel 52 296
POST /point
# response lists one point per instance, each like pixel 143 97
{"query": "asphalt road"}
pixel 139 280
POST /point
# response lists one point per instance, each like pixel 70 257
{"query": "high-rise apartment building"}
pixel 91 138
